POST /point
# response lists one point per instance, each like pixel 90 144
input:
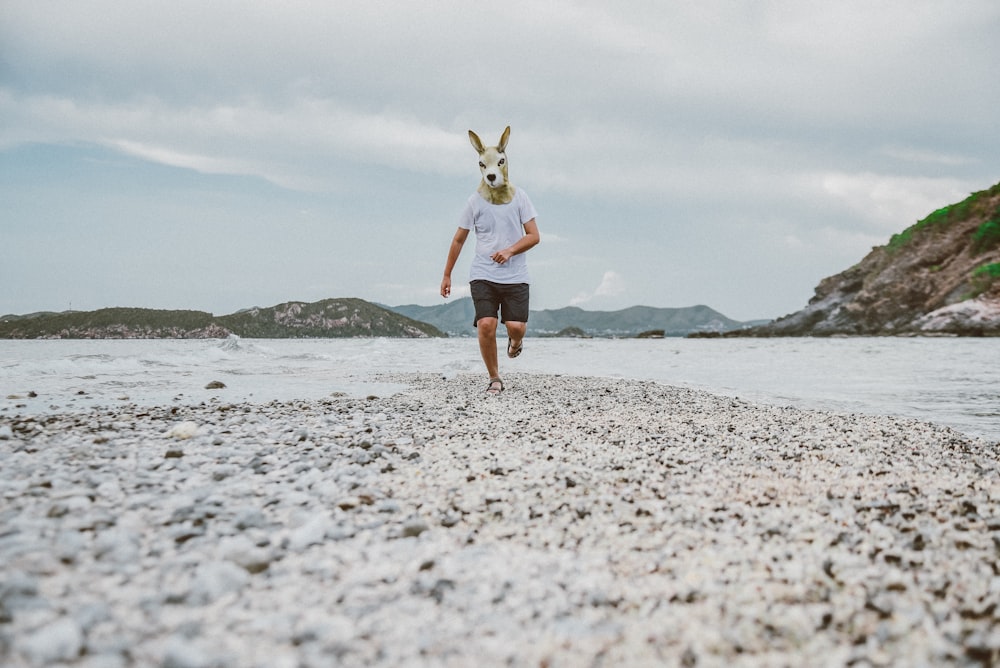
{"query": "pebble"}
pixel 61 640
pixel 569 521
pixel 183 430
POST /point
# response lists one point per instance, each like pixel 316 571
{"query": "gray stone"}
pixel 250 518
pixel 182 653
pixel 593 521
pixel 215 579
pixel 60 640
pixel 414 527
pixel 311 533
pixel 117 545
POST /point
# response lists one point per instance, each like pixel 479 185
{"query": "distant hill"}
pixel 455 317
pixel 347 317
pixel 113 323
pixel 939 276
pixel 329 318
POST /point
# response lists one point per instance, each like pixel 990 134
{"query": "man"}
pixel 504 220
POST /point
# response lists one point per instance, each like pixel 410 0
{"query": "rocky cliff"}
pixel 939 276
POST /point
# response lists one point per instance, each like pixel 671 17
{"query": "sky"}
pixel 222 155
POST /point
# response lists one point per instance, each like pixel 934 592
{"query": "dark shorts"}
pixel 510 299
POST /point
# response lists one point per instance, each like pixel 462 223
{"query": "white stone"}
pixel 183 430
pixel 312 532
pixel 978 312
pixel 60 640
pixel 214 579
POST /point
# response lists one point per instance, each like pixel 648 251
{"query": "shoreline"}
pixel 569 521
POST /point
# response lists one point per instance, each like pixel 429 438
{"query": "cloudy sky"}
pixel 220 155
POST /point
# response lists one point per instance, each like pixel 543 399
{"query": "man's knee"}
pixel 516 329
pixel 487 326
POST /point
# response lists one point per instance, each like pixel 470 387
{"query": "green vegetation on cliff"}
pixel 987 236
pixel 977 204
pixel 984 277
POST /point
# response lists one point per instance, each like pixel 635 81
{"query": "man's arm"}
pixel 525 243
pixel 453 252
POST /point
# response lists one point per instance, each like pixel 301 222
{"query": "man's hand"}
pixel 502 256
pixel 453 250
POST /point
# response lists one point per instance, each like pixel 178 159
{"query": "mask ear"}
pixel 503 140
pixel 476 142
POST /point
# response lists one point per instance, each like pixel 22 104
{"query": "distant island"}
pixel 349 317
pixel 455 318
pixel 329 318
pixel 940 276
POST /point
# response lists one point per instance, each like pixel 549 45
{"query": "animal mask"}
pixel 494 188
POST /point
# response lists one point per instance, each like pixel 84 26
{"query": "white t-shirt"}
pixel 498 226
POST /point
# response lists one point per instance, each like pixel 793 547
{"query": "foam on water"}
pixel 950 381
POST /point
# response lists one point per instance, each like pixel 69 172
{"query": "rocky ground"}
pixel 568 522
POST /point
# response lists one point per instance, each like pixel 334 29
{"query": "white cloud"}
pixel 612 285
pixel 201 163
pixel 290 145
pixel 924 156
pixel 674 101
pixel 892 203
pixel 775 133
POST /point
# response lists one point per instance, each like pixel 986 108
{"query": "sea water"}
pixel 951 381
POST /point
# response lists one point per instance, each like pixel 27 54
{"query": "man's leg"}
pixel 487 328
pixel 515 315
pixel 487 303
pixel 515 332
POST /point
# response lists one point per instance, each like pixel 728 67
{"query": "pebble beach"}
pixel 570 521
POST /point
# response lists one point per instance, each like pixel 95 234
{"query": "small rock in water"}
pixel 215 385
pixel 6 433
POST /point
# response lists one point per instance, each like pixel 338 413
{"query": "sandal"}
pixel 512 352
pixel 491 389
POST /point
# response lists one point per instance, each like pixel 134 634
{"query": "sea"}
pixel 950 381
